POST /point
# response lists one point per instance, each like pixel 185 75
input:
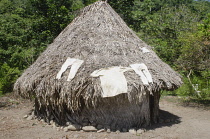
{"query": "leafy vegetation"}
pixel 179 31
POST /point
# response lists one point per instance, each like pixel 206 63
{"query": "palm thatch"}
pixel 102 39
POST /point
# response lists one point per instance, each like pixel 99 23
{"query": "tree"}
pixel 15 53
pixel 56 15
pixel 163 28
pixel 123 8
pixel 195 53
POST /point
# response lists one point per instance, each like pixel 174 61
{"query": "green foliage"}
pixel 186 89
pixel 55 15
pixel 201 7
pixel 194 56
pixel 123 8
pixel 88 2
pixel 8 75
pixel 201 84
pixel 163 28
pixel 196 48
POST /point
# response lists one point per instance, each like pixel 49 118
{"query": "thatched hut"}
pixel 98 40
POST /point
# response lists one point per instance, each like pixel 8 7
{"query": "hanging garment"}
pixel 144 50
pixel 143 72
pixel 75 65
pixel 113 81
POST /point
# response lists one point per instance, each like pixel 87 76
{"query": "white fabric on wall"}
pixel 145 50
pixel 74 68
pixel 143 72
pixel 75 65
pixel 113 81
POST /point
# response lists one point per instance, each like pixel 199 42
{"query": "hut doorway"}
pixel 154 106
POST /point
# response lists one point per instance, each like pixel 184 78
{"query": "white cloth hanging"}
pixel 75 65
pixel 113 81
pixel 143 72
pixel 144 50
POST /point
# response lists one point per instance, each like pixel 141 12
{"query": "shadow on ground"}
pixel 166 119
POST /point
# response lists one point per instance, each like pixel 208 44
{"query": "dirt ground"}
pixel 187 123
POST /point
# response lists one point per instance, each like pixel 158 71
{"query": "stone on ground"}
pixel 132 131
pixel 74 127
pixel 101 130
pixel 139 131
pixel 89 128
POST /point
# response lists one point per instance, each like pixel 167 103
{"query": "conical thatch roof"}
pixel 102 39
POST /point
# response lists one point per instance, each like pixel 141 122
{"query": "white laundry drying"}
pixel 113 81
pixel 75 65
pixel 144 50
pixel 143 72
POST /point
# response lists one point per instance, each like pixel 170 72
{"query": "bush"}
pixel 8 76
pixel 199 89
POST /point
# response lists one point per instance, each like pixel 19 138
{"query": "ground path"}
pixel 188 123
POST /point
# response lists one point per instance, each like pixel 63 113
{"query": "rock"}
pixel 139 131
pixel 74 127
pixel 99 127
pixel 68 123
pixel 167 121
pixel 42 120
pixel 118 131
pixel 161 121
pixel 30 117
pixel 132 131
pixel 101 130
pixel 108 131
pixel 51 122
pixel 89 128
pixel 25 116
pixel 124 130
pixel 56 124
pixel 66 129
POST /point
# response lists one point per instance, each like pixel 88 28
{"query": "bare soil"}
pixel 181 122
